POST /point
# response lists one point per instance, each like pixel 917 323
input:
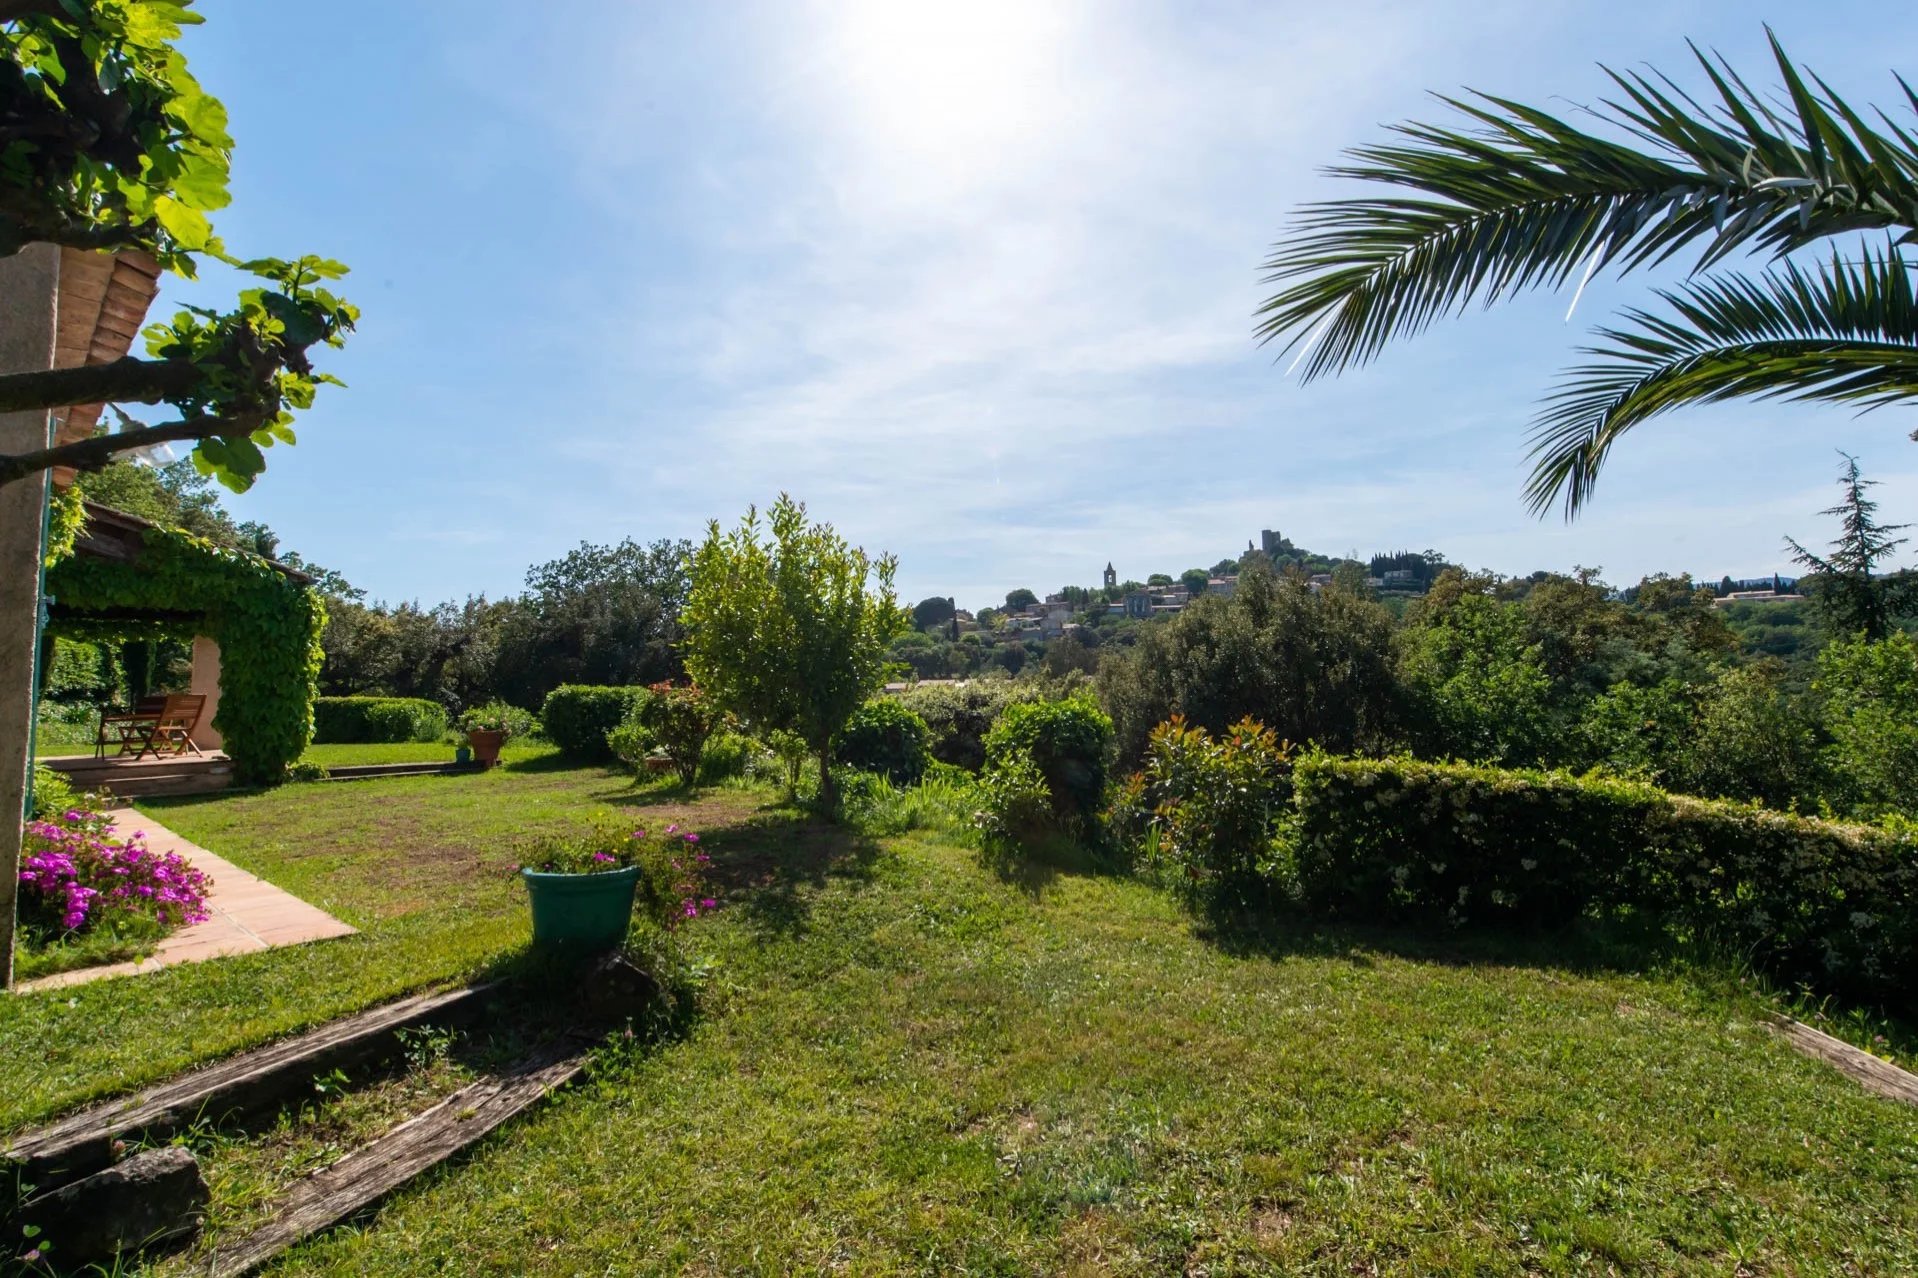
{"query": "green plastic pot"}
pixel 581 913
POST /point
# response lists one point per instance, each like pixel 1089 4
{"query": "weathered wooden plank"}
pixel 1881 1078
pixel 234 1088
pixel 368 1174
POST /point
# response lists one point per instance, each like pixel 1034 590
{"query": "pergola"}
pixel 62 308
pixel 129 578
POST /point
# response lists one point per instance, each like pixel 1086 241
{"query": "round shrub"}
pixel 886 738
pixel 360 720
pixel 578 716
pixel 1068 741
pixel 958 718
pixel 728 755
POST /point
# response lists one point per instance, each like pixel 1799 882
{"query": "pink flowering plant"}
pixel 673 869
pixel 79 876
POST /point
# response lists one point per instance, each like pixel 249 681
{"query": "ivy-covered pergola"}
pixel 119 577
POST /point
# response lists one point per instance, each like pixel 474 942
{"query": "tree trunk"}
pixel 828 797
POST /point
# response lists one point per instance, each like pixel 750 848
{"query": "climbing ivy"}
pixel 267 625
pixel 66 516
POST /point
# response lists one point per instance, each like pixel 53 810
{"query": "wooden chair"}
pixel 159 725
pixel 131 731
pixel 173 734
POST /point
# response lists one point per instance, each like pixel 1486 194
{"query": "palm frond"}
pixel 1846 332
pixel 1520 199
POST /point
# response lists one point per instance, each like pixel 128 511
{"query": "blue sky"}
pixel 973 281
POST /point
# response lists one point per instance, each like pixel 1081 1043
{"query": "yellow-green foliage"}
pixel 66 516
pixel 268 627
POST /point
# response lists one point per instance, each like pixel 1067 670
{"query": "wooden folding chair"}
pixel 173 734
pixel 131 732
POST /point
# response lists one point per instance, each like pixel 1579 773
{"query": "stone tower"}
pixel 1112 578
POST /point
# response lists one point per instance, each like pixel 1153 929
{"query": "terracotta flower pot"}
pixel 485 746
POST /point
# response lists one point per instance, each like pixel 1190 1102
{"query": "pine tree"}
pixel 1853 596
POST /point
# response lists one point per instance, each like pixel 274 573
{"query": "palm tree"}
pixel 1521 199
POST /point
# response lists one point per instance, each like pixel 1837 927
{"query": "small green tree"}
pixel 1019 600
pixel 789 626
pixel 1195 581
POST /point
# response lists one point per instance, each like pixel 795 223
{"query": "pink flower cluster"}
pixel 689 874
pixel 76 873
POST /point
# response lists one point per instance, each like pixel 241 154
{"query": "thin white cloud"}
pixel 976 282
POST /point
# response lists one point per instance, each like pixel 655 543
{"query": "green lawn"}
pixel 338 755
pixel 907 1065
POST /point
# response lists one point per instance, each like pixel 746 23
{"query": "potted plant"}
pixel 488 727
pixel 582 884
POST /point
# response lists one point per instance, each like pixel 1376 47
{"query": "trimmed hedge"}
pixel 577 717
pixel 1831 905
pixel 1068 741
pixel 885 737
pixel 360 720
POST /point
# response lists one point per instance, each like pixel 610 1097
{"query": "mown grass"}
pixel 421 865
pixel 908 1064
pixel 339 755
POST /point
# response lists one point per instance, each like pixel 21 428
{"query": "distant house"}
pixel 1759 596
pixel 1227 586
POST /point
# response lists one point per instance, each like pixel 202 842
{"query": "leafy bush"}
pixel 885 737
pixel 1067 741
pixel 631 742
pixel 1645 733
pixel 1016 811
pixel 1830 905
pixel 360 720
pixel 1213 803
pixel 728 755
pixel 1478 687
pixel 1871 711
pixel 77 876
pixel 679 720
pixel 789 750
pixel 52 793
pixel 1754 741
pixel 578 717
pixel 499 716
pixel 958 718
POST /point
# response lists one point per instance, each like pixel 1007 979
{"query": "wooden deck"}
pixel 130 778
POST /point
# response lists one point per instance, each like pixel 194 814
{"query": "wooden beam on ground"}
pixel 1881 1078
pixel 368 1174
pixel 250 1083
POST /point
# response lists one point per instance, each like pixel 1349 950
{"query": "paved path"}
pixel 248 914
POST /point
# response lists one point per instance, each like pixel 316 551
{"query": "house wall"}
pixel 206 680
pixel 29 288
